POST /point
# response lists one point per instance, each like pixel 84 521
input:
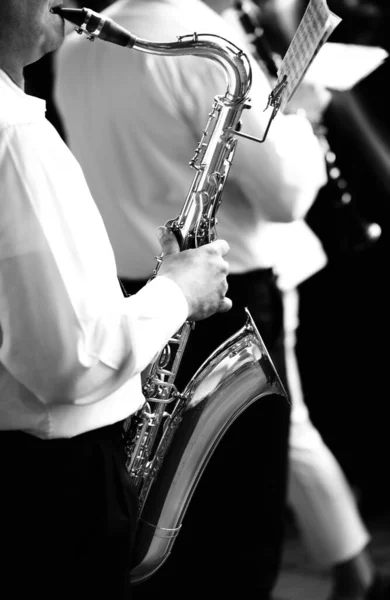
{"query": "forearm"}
pixel 68 353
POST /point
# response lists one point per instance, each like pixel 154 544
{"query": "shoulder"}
pixel 17 108
pixel 33 152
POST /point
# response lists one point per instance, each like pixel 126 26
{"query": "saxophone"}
pixel 173 436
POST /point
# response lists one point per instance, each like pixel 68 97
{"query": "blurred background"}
pixel 345 378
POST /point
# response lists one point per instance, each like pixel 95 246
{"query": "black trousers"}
pixel 67 518
pixel 232 534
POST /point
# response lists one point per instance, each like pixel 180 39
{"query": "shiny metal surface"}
pixel 237 374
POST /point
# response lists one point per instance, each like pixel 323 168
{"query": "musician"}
pixel 134 145
pixel 319 494
pixel 71 345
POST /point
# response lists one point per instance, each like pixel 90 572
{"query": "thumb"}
pixel 168 241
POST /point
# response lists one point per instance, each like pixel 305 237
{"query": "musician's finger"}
pixel 225 305
pixel 221 246
pixel 168 241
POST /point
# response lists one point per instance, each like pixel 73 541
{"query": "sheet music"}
pixel 316 25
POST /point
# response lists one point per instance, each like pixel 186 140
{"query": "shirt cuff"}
pixel 169 296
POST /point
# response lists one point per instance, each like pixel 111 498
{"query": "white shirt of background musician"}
pixel 297 251
pixel 71 346
pixel 134 119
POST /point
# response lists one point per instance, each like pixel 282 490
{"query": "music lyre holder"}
pixel 317 24
pixel 274 100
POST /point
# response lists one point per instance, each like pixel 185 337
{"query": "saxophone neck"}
pixel 233 60
pixel 230 57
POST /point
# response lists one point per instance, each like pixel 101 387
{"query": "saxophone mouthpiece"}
pixel 96 25
pixel 74 15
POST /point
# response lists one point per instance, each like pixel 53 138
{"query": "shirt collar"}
pixel 34 106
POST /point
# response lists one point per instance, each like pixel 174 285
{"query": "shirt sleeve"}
pixel 66 331
pixel 279 177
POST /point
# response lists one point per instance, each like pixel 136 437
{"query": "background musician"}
pixel 71 346
pixel 319 494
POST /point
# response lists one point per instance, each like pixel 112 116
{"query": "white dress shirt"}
pixel 71 346
pixel 134 120
pixel 297 251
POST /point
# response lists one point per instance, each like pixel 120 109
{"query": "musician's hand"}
pixel 200 273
